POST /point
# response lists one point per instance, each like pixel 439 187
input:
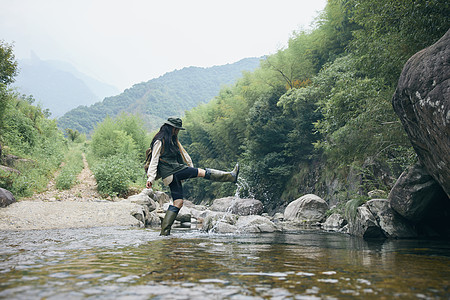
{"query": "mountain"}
pixel 168 95
pixel 59 86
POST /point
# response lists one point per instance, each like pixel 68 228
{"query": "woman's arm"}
pixel 187 159
pixel 153 167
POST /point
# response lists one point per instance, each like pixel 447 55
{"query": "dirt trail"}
pixel 81 206
pixel 84 190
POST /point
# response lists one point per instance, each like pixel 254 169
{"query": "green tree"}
pixel 392 31
pixel 8 64
pixel 72 134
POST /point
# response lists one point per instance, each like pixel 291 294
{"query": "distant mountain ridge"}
pixel 168 95
pixel 59 86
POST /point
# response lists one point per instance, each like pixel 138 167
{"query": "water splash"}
pixel 241 185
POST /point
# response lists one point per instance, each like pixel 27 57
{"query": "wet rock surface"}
pixel 422 101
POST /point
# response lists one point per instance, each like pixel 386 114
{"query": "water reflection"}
pixel 105 263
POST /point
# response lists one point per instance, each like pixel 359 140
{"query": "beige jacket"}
pixel 153 167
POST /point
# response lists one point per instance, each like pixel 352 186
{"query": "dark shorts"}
pixel 176 188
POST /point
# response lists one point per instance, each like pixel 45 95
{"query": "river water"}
pixel 133 263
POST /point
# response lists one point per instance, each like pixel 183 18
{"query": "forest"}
pixel 315 117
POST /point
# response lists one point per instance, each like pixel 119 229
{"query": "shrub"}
pixel 68 174
pixel 115 174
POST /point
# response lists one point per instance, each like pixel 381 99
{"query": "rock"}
pixel 184 215
pixel 391 223
pixel 143 199
pixel 189 204
pixel 152 220
pixel 365 225
pixel 376 194
pixel 308 208
pixel 255 224
pixel 223 227
pixel 422 101
pixel 9 169
pixel 241 207
pixel 212 222
pixel 148 192
pixel 161 198
pixel 15 161
pixel 415 194
pixel 278 217
pixel 220 222
pixel 6 198
pixel 139 212
pixel 334 222
pixel 199 214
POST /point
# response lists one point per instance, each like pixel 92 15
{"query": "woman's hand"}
pixel 148 185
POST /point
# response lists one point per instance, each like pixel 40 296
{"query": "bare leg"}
pixel 178 203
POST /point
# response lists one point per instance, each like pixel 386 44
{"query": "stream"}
pixel 134 263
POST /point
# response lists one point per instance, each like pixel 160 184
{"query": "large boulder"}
pixel 144 200
pixel 222 222
pixel 415 194
pixel 219 222
pixel 241 207
pixel 391 224
pixel 306 209
pixel 376 219
pixel 6 198
pixel 365 225
pixel 255 224
pixel 184 215
pixel 422 101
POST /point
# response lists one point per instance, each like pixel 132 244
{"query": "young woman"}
pixel 173 164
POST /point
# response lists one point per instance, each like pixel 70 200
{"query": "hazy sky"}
pixel 123 42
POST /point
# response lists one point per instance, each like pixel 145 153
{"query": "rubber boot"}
pixel 168 220
pixel 216 175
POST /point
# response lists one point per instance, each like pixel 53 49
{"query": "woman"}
pixel 172 163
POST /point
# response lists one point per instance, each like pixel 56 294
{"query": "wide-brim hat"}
pixel 175 122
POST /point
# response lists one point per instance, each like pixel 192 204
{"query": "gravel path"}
pixel 81 206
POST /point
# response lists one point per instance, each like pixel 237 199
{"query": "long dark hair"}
pixel 168 139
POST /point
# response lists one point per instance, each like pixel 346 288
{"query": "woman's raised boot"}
pixel 222 176
pixel 168 220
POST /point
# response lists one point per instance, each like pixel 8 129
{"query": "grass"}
pixel 73 165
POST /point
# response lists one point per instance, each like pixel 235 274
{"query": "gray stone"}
pixel 306 209
pixel 184 215
pixel 376 194
pixel 148 192
pixel 391 223
pixel 365 225
pixel 9 169
pixel 334 222
pixel 143 199
pixel 255 224
pixel 152 220
pixel 422 101
pixel 6 198
pixel 278 217
pixel 415 194
pixel 139 212
pixel 213 219
pixel 223 227
pixel 241 207
pixel 161 197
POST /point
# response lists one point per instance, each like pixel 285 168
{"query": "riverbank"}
pixel 80 206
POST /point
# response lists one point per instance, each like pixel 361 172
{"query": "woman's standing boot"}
pixel 168 220
pixel 222 176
